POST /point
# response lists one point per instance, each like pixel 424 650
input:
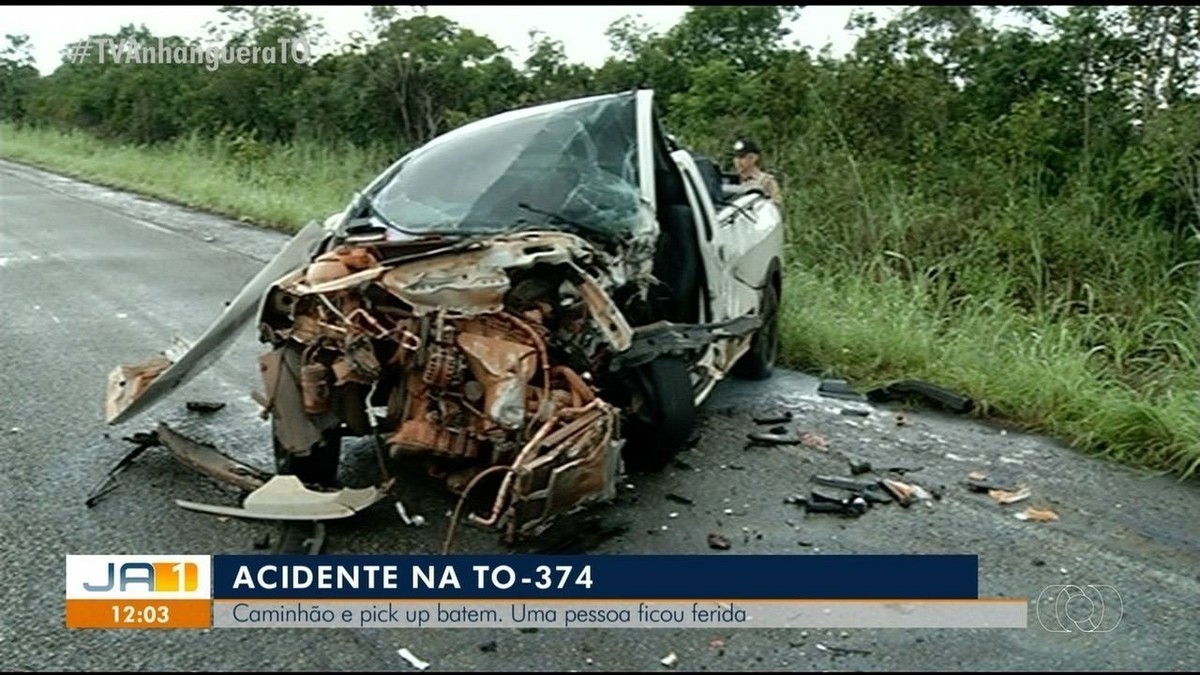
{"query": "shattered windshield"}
pixel 569 166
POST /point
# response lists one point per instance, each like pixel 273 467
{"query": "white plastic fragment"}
pixel 413 521
pixel 669 660
pixel 412 659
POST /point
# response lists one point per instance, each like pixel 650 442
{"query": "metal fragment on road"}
pixel 210 461
pixel 1006 497
pixel 1036 515
pixel 814 441
pixel 769 439
pixel 412 659
pixel 413 521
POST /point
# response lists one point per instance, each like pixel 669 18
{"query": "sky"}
pixel 580 28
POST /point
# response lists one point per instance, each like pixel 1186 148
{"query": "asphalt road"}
pixel 91 277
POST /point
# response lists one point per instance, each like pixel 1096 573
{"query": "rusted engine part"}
pixel 573 459
pixel 467 380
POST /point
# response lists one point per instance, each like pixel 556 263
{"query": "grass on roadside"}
pixel 280 187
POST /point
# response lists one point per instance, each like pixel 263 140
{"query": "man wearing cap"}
pixel 745 158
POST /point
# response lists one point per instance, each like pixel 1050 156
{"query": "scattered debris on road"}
pixel 678 499
pixel 205 406
pixel 142 441
pixel 868 489
pixel 669 660
pixel 760 439
pixel 859 468
pixel 841 651
pixel 412 659
pixel 977 476
pixel 814 441
pixel 902 420
pixel 718 542
pixel 1006 497
pixel 985 485
pixel 1036 515
pixel 413 521
pixel 488 647
pixel 839 389
pixel 777 418
pixel 856 412
pixel 905 389
pixel 904 493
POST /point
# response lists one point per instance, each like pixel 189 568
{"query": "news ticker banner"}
pixel 518 591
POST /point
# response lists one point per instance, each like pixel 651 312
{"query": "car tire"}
pixel 759 361
pixel 667 419
pixel 319 467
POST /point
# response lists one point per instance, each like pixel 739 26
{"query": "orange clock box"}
pixel 117 613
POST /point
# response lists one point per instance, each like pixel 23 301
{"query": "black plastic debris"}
pixel 851 507
pixel 205 406
pixel 916 388
pixel 988 485
pixel 142 441
pixel 778 418
pixel 761 439
pixel 679 499
pixel 868 489
pixel 839 389
pixel 859 468
pixel 856 412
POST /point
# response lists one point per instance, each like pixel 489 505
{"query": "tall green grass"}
pixel 1052 313
pixel 277 186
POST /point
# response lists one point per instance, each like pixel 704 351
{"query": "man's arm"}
pixel 771 187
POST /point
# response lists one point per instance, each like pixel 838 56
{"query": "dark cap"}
pixel 745 146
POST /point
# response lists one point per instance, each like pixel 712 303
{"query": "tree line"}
pixel 1101 101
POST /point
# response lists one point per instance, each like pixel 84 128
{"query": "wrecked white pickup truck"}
pixel 541 296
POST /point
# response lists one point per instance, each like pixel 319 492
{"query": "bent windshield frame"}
pixel 569 166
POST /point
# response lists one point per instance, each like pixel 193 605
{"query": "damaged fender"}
pixel 134 388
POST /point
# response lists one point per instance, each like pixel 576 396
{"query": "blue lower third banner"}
pixel 669 591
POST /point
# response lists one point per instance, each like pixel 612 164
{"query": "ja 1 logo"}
pixel 138 576
pixel 1067 608
pixel 162 577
